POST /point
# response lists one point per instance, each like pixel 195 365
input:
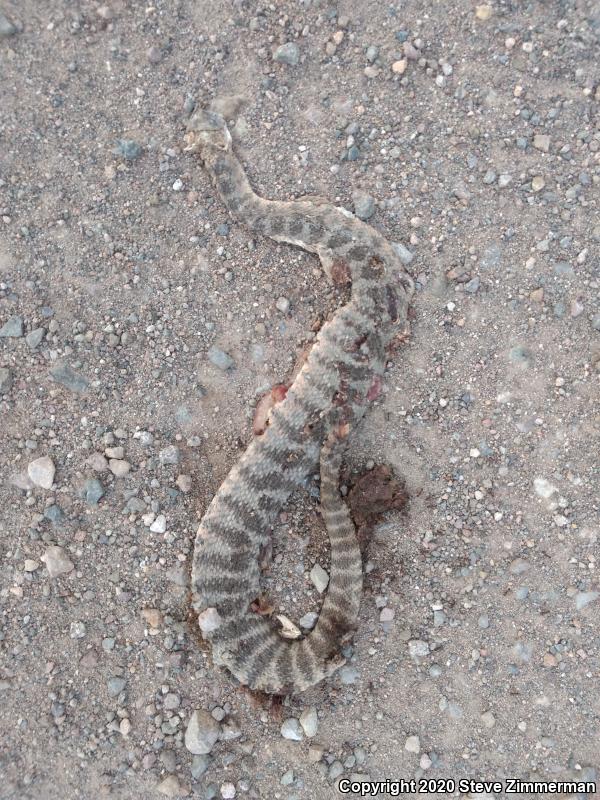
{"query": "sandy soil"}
pixel 469 135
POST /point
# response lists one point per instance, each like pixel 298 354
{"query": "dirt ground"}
pixel 468 134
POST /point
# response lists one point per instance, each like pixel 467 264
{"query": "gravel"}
pixel 468 136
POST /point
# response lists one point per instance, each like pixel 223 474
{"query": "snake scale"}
pixel 308 429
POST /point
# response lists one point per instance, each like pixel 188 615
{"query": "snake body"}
pixel 308 429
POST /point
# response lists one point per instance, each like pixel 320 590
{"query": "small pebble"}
pixel 34 338
pixel 92 491
pixel 184 482
pixel 287 54
pixel 209 620
pixel 128 149
pixel 115 685
pixel 77 630
pixel 538 183
pixel 57 561
pixel 541 141
pixel 118 467
pixel 403 253
pixel 413 744
pixel 287 778
pixel 399 67
pixel 472 286
pixel 364 205
pixel 41 472
pixel 583 599
pixel 349 675
pixel 5 380
pixel 159 525
pixel 154 55
pixel 425 762
pixel 171 701
pixel 227 790
pixel 483 12
pixel 201 733
pixel 170 787
pixel 220 358
pixel 12 328
pixel 169 455
pixel 70 379
pixel 7 28
pixel 319 578
pixel 291 730
pixel 488 719
pixel 417 648
pixel 309 620
pixel 200 763
pixel 309 722
pixel 152 616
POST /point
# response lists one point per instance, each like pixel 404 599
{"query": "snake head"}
pixel 206 129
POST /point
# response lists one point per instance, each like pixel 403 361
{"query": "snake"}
pixel 308 430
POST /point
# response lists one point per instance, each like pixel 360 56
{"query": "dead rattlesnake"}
pixel 310 427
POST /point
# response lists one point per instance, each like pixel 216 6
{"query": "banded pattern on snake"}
pixel 309 428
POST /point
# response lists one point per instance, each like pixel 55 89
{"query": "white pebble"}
pixel 159 525
pixel 319 578
pixel 227 791
pixel 41 472
pixel 309 620
pixel 77 630
pixel 309 721
pixel 209 620
pixel 291 730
